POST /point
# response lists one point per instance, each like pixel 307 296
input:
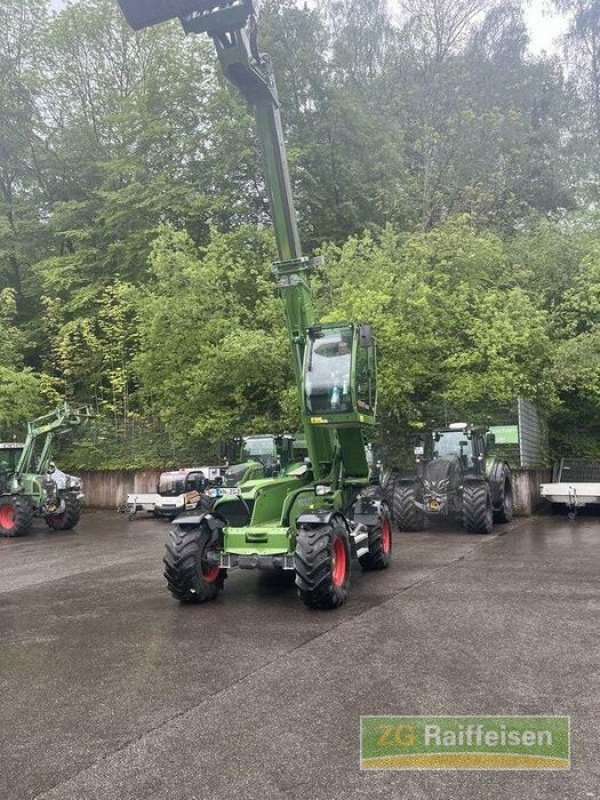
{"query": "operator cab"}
pixel 10 453
pixel 340 374
pixel 464 441
pixel 262 449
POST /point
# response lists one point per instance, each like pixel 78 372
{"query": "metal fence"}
pixel 533 436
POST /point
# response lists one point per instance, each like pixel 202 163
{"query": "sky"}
pixel 544 27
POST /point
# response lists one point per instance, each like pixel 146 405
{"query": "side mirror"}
pixel 365 336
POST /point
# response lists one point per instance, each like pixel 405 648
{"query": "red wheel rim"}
pixel 386 536
pixel 210 573
pixel 7 517
pixel 338 561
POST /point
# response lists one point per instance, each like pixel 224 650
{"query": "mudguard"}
pixel 323 517
pixel 367 511
pixel 214 521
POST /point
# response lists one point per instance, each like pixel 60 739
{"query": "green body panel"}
pixel 254 471
pixel 263 540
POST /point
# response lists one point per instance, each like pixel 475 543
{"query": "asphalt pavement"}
pixel 109 689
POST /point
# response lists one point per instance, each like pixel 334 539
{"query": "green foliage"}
pixel 213 358
pixel 448 177
pixel 20 400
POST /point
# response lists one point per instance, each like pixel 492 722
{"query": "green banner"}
pixel 506 434
pixel 465 742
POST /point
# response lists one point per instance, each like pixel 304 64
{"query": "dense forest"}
pixel 448 177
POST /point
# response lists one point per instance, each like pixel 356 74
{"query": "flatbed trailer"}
pixel 575 484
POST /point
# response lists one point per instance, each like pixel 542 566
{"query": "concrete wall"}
pixel 104 489
pixel 108 489
pixel 526 489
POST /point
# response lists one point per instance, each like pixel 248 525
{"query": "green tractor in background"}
pixel 315 518
pixel 262 456
pixel 457 477
pixel 27 488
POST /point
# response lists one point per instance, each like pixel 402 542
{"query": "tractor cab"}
pixel 340 375
pixel 465 443
pixel 264 450
pixel 10 453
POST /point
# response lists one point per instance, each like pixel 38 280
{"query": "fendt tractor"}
pixel 312 520
pixel 455 477
pixel 193 488
pixel 261 456
pixel 27 486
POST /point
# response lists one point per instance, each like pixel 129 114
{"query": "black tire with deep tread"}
pixel 405 513
pixel 377 558
pixel 23 511
pixel 68 519
pixel 505 512
pixel 183 565
pixel 373 490
pixel 477 507
pixel 314 547
pixel 388 493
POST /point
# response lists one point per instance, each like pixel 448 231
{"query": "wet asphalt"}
pixel 110 689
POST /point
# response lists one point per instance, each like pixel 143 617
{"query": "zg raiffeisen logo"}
pixel 465 742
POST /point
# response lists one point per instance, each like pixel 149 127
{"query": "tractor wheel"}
pixel 505 512
pixel 477 508
pixel 406 515
pixel 67 519
pixel 16 515
pixel 373 490
pixel 380 543
pixel 190 579
pixel 323 564
pixel 388 492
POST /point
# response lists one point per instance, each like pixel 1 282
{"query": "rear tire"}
pixel 323 564
pixel 406 515
pixel 16 515
pixel 380 543
pixel 505 512
pixel 67 519
pixel 477 508
pixel 190 579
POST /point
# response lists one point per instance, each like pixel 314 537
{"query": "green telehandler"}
pixel 314 519
pixel 27 488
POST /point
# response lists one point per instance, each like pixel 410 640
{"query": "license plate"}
pixel 229 490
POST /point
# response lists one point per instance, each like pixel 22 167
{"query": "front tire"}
pixel 477 508
pixel 323 564
pixel 190 578
pixel 67 519
pixel 16 515
pixel 407 515
pixel 380 543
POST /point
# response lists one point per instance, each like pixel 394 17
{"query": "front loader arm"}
pixel 60 421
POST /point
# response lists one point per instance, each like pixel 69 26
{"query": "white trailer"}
pixel 178 491
pixel 575 484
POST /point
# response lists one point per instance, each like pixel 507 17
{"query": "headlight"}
pixel 322 490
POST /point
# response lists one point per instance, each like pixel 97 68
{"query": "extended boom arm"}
pixel 333 444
